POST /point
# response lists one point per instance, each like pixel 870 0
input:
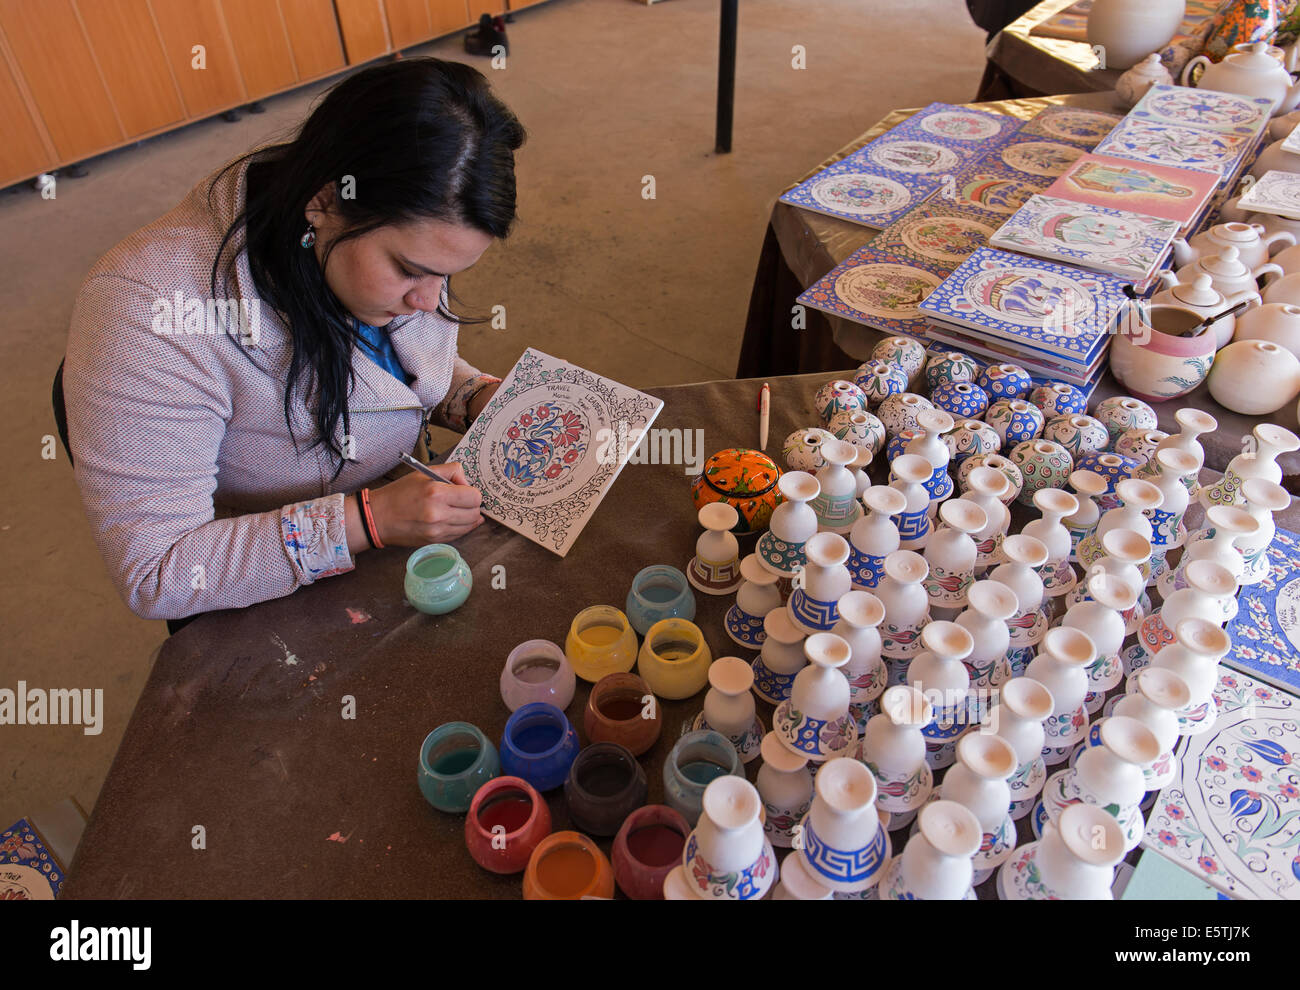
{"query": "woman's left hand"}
pixel 481 398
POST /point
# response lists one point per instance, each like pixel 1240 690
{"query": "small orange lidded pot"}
pixel 746 480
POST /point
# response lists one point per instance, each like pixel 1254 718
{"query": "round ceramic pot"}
pixel 963 400
pixel 507 820
pixel 875 536
pixel 781 548
pixel 1014 420
pixel 1058 399
pixel 695 760
pixel 600 641
pixel 936 863
pixel 537 670
pixel 1278 323
pixel 844 845
pixel 1077 433
pixel 780 659
pixel 456 759
pixel 1141 445
pixel 1255 377
pixel 971 436
pixel 727 856
pixel 437 580
pixel 857 427
pixel 744 479
pixel 949 367
pixel 539 745
pixel 649 844
pixel 1015 480
pixel 899 412
pixel 1043 464
pixel 802 449
pixel 879 382
pixel 604 786
pixel 568 866
pixel 1123 412
pixel 814 721
pixel 658 592
pixel 1005 381
pixel 622 709
pixel 1154 362
pixel 907 353
pixel 785 783
pixel 674 659
pixel 839 396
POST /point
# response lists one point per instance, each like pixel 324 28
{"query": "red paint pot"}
pixel 506 821
pixel 646 849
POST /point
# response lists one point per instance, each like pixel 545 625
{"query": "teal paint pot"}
pixel 437 579
pixel 455 761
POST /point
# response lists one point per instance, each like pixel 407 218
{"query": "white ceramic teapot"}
pixel 1228 273
pixel 1249 73
pixel 1253 243
pixel 1200 295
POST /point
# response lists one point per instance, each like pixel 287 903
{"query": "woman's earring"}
pixel 309 238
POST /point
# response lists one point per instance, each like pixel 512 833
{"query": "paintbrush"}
pixel 1199 329
pixel 424 469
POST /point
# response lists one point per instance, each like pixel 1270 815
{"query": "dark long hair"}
pixel 421 139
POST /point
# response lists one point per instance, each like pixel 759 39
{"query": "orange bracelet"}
pixel 370 519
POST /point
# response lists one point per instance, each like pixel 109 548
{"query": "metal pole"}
pixel 726 73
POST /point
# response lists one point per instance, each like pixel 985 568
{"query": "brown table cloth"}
pixel 239 727
pixel 801 246
pixel 1021 63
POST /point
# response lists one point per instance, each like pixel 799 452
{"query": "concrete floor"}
pixel 650 292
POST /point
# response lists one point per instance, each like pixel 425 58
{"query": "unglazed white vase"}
pixel 1208 585
pixel 988 488
pixel 1271 441
pixel 1101 616
pixel 951 553
pixel 1054 505
pixel 1262 499
pixel 1136 498
pixel 793 524
pixel 715 568
pixel 893 749
pixel 1192 423
pixel 844 847
pixel 1168 531
pixel 729 706
pixel 1126 555
pixel 1023 705
pixel 978 781
pixel 989 605
pixel 907 608
pixel 932 425
pixel 727 857
pixel 1108 776
pixel 936 864
pixel 939 671
pixel 785 783
pixel 836 505
pixel 1224 526
pixel 1024 555
pixel 1074 861
pixel 1061 666
pixel 1194 656
pixel 1088 486
pixel 860 616
pixel 814 721
pixel 1161 694
pixel 814 602
pixel 911 472
pixel 861 480
pixel 875 536
pixel 780 659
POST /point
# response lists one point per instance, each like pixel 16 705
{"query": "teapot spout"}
pixel 1183 254
pixel 1168 279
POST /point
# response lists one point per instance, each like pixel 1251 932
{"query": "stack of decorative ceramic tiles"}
pixel 1277 192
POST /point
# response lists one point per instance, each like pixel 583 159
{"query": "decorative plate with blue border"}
pixel 876 289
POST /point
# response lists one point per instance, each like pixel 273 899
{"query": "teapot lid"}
pixel 1226 263
pixel 1244 233
pixel 1151 67
pixel 1198 292
pixel 1255 57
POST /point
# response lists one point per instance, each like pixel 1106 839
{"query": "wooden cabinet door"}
pixel 448 15
pixel 408 22
pixel 22 152
pixel 480 7
pixel 261 46
pixel 313 36
pixel 363 26
pixel 130 54
pixel 185 24
pixel 57 64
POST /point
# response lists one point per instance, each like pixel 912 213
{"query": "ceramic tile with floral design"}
pixel 1266 631
pixel 1277 192
pixel 876 289
pixel 1232 815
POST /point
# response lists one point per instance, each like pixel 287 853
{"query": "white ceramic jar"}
pixel 907 607
pixel 1024 555
pixel 1023 705
pixel 893 749
pixel 860 616
pixel 911 472
pixel 989 605
pixel 786 786
pixel 951 553
pixel 875 536
pixel 1061 667
pixel 814 721
pixel 843 847
pixel 813 603
pixel 727 857
pixel 936 865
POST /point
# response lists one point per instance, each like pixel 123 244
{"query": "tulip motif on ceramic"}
pixel 839 396
pixel 893 749
pixel 968 437
pixel 802 449
pixel 862 429
pixel 951 553
pixel 879 381
pixel 875 536
pixel 906 353
pixel 815 721
pixel 786 786
pixel 907 607
pixel 715 568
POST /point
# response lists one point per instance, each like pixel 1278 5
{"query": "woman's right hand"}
pixel 414 510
